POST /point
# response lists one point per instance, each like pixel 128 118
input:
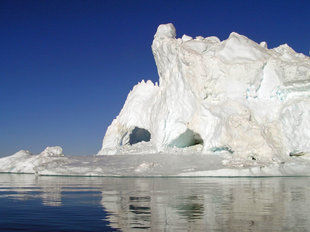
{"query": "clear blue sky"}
pixel 66 67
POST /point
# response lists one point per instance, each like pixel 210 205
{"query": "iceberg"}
pixel 234 95
pixel 231 107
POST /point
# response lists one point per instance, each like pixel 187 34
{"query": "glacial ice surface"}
pixel 231 107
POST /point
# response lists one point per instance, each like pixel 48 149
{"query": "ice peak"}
pixel 240 49
pixel 235 38
pixel 165 31
pixel 284 48
pixel 235 34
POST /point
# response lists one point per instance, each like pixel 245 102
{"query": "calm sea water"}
pixel 32 203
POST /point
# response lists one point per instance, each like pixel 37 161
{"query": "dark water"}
pixel 30 203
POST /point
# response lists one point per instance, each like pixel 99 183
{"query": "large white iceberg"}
pixel 234 95
pixel 231 107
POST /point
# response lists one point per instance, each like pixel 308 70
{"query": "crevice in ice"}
pixel 295 153
pixel 187 139
pixel 138 135
pixel 223 148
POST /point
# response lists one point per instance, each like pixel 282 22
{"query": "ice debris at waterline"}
pixel 231 107
pixel 52 162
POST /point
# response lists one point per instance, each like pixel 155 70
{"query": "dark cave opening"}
pixel 138 135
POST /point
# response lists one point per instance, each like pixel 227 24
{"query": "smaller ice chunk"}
pixel 200 38
pixel 263 44
pixel 186 38
pixel 52 152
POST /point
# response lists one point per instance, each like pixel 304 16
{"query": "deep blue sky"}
pixel 66 67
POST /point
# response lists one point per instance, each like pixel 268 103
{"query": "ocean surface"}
pixel 51 203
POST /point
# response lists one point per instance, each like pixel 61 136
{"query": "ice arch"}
pixel 187 139
pixel 138 135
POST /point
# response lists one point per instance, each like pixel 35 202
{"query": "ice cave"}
pixel 138 135
pixel 187 139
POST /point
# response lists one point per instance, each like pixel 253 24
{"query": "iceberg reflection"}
pixel 175 204
pixel 207 204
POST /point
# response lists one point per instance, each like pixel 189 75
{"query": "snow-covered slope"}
pixel 233 95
